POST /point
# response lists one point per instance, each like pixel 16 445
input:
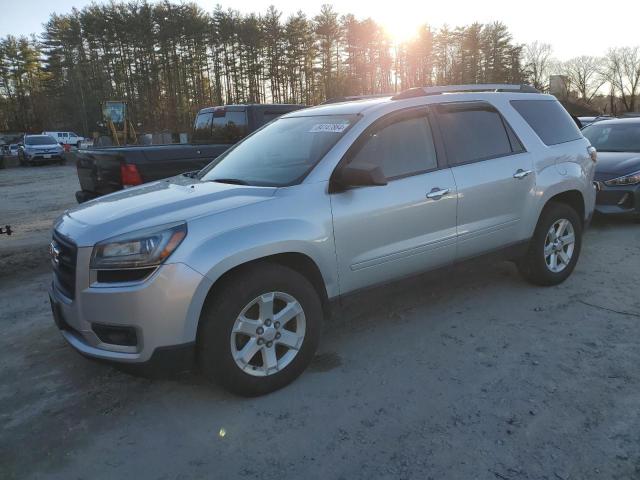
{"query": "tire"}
pixel 537 265
pixel 248 291
pixel 78 145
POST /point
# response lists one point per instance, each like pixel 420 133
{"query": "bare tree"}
pixel 622 71
pixel 538 62
pixel 584 76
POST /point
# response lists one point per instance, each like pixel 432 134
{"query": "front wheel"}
pixel 555 247
pixel 259 330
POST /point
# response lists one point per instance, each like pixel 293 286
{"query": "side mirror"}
pixel 362 175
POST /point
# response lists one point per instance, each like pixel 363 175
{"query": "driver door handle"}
pixel 437 193
pixel 520 173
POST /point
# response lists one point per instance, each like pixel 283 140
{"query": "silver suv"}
pixel 237 265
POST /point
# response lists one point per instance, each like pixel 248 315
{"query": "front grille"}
pixel 63 258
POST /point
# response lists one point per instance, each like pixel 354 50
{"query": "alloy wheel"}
pixel 268 334
pixel 559 245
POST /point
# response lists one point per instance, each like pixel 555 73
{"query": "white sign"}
pixel 329 127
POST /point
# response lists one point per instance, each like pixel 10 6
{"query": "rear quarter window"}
pixel 548 118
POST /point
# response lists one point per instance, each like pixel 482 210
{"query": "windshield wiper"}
pixel 233 181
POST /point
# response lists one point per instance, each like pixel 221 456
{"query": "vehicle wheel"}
pixel 260 330
pixel 555 246
pixel 78 145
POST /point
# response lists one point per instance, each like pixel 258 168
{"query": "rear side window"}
pixel 228 126
pixel 548 118
pixel 474 132
pixel 402 148
pixel 202 128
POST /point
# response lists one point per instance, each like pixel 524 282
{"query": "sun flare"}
pixel 399 29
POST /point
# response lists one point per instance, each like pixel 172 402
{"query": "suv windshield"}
pixel 39 140
pixel 614 137
pixel 281 153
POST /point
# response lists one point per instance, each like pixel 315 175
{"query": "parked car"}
pixel 238 265
pixel 38 149
pixel 106 170
pixel 586 121
pixel 618 167
pixel 67 138
pixel 11 150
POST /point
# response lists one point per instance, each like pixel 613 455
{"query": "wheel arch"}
pixel 569 193
pixel 295 260
pixel 572 198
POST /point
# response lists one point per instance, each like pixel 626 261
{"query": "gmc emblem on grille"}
pixel 54 253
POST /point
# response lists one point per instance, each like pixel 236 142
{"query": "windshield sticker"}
pixel 329 127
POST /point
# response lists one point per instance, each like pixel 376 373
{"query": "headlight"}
pixel 143 248
pixel 630 179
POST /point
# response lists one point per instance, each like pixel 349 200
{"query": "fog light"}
pixel 114 335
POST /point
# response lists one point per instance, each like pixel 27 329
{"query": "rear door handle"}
pixel 520 173
pixel 437 193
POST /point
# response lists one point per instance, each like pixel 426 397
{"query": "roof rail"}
pixel 351 98
pixel 480 87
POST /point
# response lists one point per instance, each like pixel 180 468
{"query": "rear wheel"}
pixel 555 246
pixel 260 330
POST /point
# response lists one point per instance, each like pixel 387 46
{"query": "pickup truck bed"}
pixel 100 171
pixel 106 170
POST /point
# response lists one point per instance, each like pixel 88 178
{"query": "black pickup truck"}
pixel 106 170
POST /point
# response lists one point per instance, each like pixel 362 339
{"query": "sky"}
pixel 572 27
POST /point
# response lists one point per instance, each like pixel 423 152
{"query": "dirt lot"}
pixel 472 375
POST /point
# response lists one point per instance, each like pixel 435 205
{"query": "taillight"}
pixel 129 175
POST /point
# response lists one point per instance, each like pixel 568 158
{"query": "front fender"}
pixel 221 253
pixel 230 249
pixel 296 220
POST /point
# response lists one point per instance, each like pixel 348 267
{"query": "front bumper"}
pixel 162 310
pixel 623 200
pixel 45 158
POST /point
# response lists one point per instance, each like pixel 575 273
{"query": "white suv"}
pixel 67 138
pixel 237 265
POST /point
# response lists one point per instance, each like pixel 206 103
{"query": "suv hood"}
pixel 157 203
pixel 614 164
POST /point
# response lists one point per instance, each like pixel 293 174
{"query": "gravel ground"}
pixel 470 374
pixel 30 200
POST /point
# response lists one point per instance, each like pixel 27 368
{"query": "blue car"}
pixel 618 168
